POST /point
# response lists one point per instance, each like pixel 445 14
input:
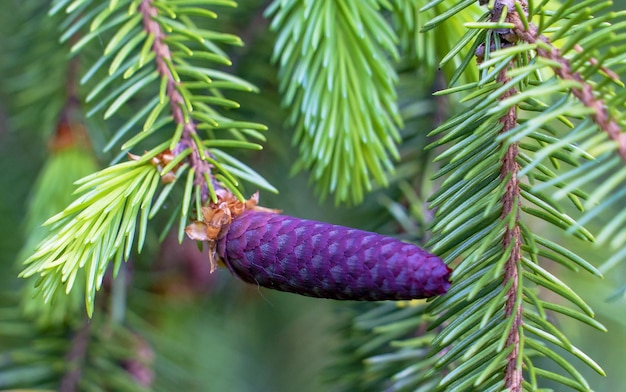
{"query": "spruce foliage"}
pixel 489 132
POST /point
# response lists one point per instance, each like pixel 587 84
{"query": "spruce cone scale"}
pixel 328 261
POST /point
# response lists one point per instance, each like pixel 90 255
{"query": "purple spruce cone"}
pixel 328 261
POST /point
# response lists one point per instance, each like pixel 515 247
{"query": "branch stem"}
pixel 177 105
pixel 512 235
pixel 513 376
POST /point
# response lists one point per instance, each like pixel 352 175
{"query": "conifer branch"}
pixel 493 321
pixel 337 78
pixel 511 204
pixel 116 203
pixel 583 91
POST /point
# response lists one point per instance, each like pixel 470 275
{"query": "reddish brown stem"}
pixel 512 235
pixel 162 56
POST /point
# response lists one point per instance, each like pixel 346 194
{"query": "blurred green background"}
pixel 224 335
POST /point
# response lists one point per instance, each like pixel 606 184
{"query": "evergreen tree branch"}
pixel 528 32
pixel 151 40
pixel 605 112
pixel 70 158
pixel 491 317
pixel 489 309
pixel 600 91
pixel 97 227
pixel 337 78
